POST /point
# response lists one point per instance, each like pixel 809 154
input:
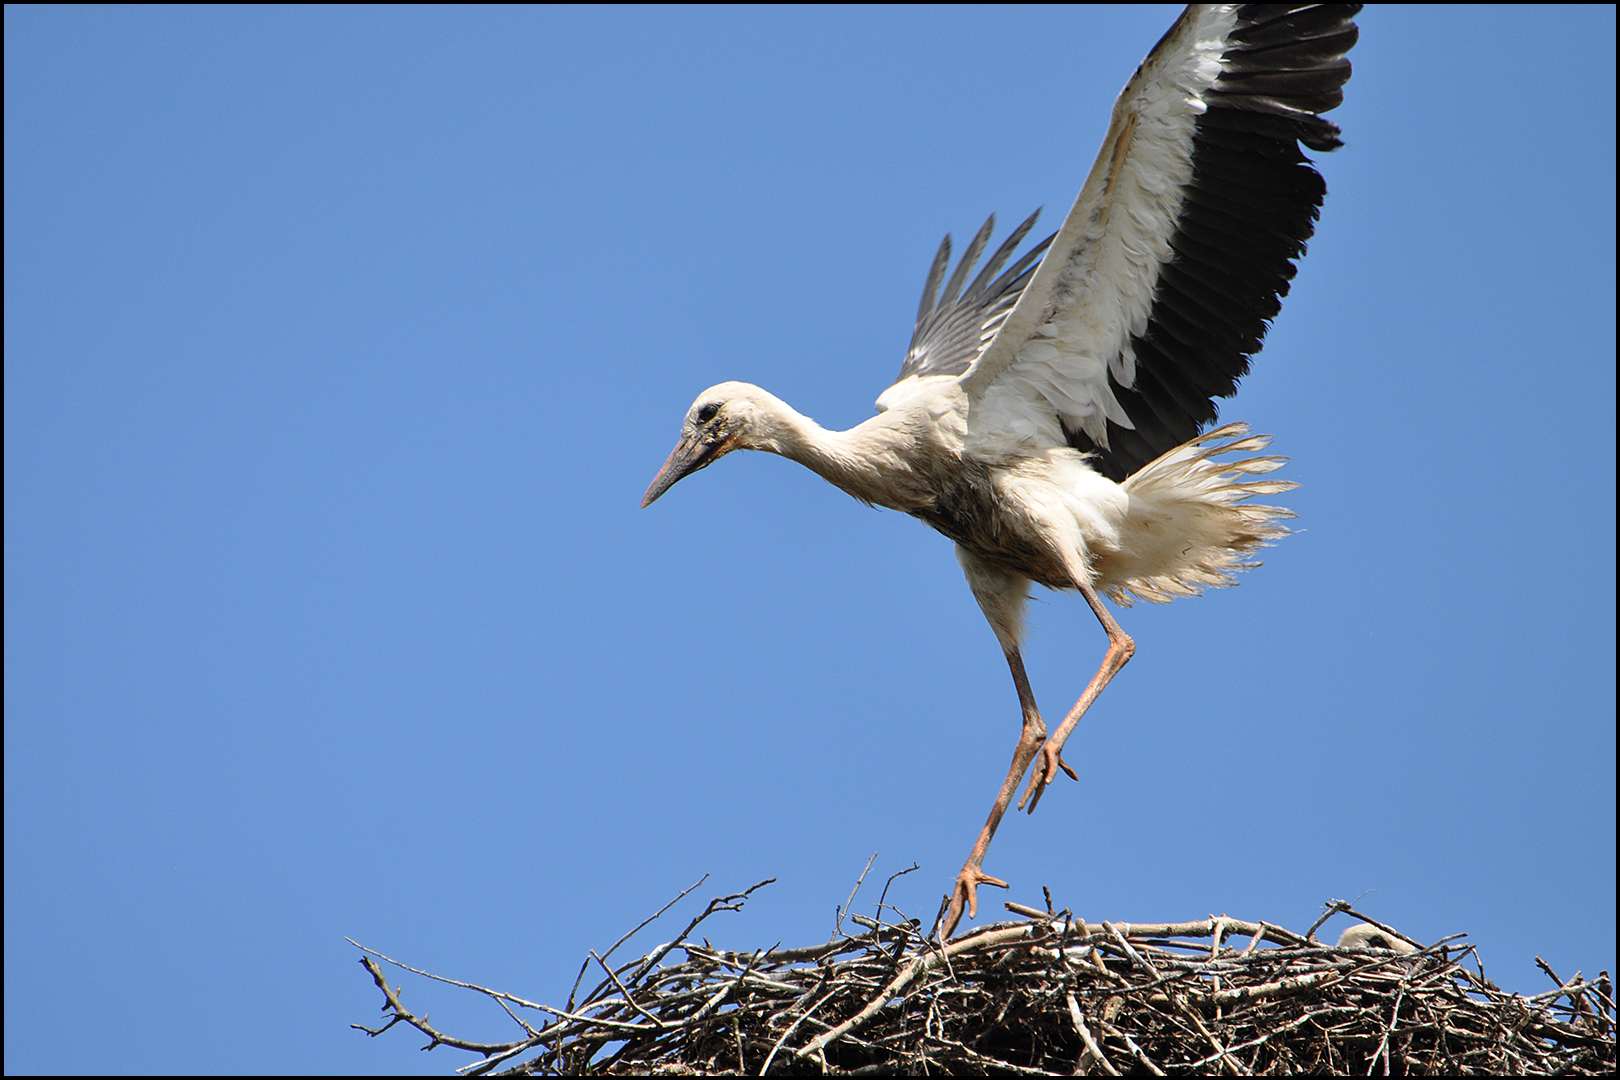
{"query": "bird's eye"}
pixel 706 413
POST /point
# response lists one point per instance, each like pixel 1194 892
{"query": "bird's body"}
pixel 1028 508
pixel 1048 420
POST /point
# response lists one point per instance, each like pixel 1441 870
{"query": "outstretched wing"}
pixel 952 330
pixel 1164 277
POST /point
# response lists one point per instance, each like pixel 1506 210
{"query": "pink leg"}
pixel 1120 649
pixel 965 895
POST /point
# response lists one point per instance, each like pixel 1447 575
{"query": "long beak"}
pixel 689 455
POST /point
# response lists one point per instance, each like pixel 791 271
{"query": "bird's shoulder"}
pixel 998 426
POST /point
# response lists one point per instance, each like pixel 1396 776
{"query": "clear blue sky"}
pixel 341 344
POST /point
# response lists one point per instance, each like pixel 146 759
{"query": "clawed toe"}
pixel 966 897
pixel 1051 762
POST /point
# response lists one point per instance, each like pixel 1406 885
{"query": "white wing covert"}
pixel 1175 256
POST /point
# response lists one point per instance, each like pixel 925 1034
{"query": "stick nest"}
pixel 1048 994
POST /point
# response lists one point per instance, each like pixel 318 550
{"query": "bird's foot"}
pixel 966 896
pixel 1051 762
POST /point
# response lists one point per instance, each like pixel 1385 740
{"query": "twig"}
pixel 419 1023
pixel 651 918
pixel 922 963
pixel 838 923
pixel 1333 908
pixel 631 1001
pixel 884 895
pixel 1085 1036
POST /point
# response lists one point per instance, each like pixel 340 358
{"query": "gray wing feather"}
pixel 936 274
pixel 970 258
pixel 952 330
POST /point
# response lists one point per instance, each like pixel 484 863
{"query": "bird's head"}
pixel 722 419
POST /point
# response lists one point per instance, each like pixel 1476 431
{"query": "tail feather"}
pixel 1188 527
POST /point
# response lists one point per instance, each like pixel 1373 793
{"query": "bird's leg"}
pixel 972 876
pixel 1120 649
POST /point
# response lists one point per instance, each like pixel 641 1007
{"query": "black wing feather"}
pixel 1251 206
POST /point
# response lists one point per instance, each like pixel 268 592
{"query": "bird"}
pixel 1366 935
pixel 1052 417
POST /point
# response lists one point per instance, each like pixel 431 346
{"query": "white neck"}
pixel 871 461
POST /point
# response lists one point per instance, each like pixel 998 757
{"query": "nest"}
pixel 1048 994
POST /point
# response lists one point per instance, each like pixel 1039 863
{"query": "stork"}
pixel 1048 419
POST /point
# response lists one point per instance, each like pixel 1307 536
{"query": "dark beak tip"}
pixel 665 480
pixel 685 459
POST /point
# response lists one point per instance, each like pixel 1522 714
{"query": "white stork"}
pixel 1366 935
pixel 1047 420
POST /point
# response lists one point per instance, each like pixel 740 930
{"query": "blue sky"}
pixel 340 347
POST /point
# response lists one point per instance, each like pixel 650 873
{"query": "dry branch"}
pixel 1045 995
